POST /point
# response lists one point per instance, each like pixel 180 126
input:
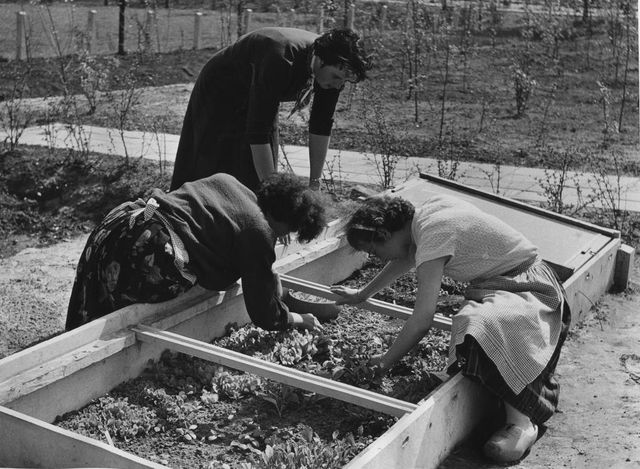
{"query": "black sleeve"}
pixel 260 286
pixel 322 110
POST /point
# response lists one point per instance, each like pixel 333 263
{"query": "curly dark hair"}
pixel 374 215
pixel 288 199
pixel 342 46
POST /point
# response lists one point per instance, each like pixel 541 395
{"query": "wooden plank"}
pixel 67 381
pixel 586 252
pixel 520 205
pixel 424 438
pixel 591 281
pixel 564 273
pixel 624 267
pixel 333 267
pixel 279 373
pixel 331 232
pixel 99 329
pixel 400 312
pixel 61 366
pixel 29 442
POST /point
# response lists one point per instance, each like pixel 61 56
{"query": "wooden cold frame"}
pixel 67 371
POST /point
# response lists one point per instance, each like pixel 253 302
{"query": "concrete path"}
pixel 515 182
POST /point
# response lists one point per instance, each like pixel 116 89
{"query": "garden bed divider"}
pixel 440 321
pixel 273 371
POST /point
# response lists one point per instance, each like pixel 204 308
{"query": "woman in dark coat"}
pixel 231 123
pixel 211 232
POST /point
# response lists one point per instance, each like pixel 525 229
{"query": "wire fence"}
pixel 47 30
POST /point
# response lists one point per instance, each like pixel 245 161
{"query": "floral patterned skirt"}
pixel 132 256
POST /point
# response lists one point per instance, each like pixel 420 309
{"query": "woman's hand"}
pixel 306 321
pixel 349 295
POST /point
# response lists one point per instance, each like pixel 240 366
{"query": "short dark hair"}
pixel 375 214
pixel 343 46
pixel 288 199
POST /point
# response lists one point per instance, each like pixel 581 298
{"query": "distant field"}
pixel 172 29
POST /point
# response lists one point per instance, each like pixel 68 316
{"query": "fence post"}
pixel 320 19
pixel 196 31
pixel 91 30
pixel 383 18
pixel 351 15
pixel 148 30
pixel 121 27
pixel 292 18
pixel 21 34
pixel 247 20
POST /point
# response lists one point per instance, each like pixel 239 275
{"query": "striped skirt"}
pixel 508 334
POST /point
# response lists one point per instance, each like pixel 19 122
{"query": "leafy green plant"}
pixel 119 418
pixel 281 396
pixel 233 385
pixel 308 452
pixel 187 433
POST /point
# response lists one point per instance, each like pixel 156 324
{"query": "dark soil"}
pixel 47 197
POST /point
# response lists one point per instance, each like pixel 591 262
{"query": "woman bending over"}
pixel 509 330
pixel 211 232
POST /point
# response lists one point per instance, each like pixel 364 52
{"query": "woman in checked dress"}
pixel 509 330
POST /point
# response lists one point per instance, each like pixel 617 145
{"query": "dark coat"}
pixel 235 103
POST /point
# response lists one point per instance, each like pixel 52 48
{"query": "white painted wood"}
pixel 591 281
pixel 29 442
pixel 395 311
pixel 424 438
pixel 20 35
pixel 279 373
pixel 624 267
pixel 197 33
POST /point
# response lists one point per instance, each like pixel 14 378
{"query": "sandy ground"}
pixel 598 422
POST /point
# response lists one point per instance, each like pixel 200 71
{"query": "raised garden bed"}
pixel 187 412
pixel 71 370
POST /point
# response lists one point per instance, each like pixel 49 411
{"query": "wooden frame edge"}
pixel 280 373
pixel 57 446
pixel 520 205
pixel 425 437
